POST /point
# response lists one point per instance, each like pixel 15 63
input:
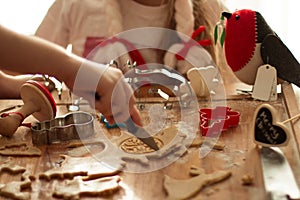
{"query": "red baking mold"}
pixel 214 121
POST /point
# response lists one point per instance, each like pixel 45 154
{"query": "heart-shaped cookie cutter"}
pixel 216 120
pixel 75 125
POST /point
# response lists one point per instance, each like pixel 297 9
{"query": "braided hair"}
pixel 185 16
pixel 200 18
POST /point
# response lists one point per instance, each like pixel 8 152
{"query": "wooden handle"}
pixel 9 124
pixel 37 101
pixel 290 119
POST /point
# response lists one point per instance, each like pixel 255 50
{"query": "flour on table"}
pixel 15 189
pixel 76 188
pixel 187 188
pixel 27 151
pixel 19 149
pixel 210 142
pixel 88 167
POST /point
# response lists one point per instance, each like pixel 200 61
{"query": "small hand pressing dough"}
pixel 185 189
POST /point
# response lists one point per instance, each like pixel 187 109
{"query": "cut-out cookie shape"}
pixel 208 141
pixel 94 169
pixel 110 155
pixel 136 146
pixel 7 166
pixel 6 144
pixel 164 140
pixel 268 131
pixel 175 140
pixel 77 188
pixel 12 147
pixel 203 80
pixel 19 149
pixel 15 189
pixel 185 189
pixel 214 121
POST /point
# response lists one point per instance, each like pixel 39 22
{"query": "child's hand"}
pixel 116 100
pixel 106 90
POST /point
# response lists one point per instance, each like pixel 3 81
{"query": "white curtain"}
pixel 282 16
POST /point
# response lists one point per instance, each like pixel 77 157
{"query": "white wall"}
pixel 282 16
pixel 23 16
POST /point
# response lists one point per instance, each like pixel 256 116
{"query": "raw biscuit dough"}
pixel 247 180
pixel 11 168
pixel 12 144
pixel 80 166
pixel 199 141
pixel 19 149
pixel 173 141
pixel 185 189
pixel 136 146
pixel 170 140
pixel 14 189
pixel 76 188
pixel 74 144
pixel 163 140
pixel 28 151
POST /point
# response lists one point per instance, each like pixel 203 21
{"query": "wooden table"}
pixel 240 155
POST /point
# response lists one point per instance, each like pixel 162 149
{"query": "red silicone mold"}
pixel 213 121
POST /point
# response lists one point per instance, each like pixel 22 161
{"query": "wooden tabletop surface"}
pixel 240 155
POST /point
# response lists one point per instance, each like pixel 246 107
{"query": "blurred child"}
pixel 87 24
pixel 25 55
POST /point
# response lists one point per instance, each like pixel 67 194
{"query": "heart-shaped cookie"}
pixel 267 130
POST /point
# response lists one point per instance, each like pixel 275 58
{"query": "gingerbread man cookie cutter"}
pixel 216 120
pixel 71 126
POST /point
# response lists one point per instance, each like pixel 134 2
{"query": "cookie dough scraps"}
pixel 77 188
pixel 185 189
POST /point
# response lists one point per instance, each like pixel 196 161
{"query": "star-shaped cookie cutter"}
pixel 216 120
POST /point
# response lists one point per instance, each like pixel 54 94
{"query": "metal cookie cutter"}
pixel 72 126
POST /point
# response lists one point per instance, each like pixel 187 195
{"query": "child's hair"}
pixel 200 18
pixel 185 16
